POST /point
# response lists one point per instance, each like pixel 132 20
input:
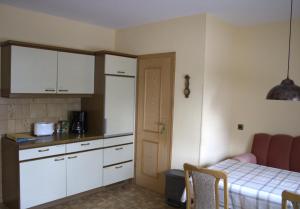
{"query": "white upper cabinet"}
pixel 117 65
pixel 33 70
pixel 75 73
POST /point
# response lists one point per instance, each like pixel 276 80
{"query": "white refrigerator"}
pixel 119 108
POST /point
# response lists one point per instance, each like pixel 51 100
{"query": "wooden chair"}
pixel 212 195
pixel 292 197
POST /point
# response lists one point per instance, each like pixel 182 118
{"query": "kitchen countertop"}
pixel 56 139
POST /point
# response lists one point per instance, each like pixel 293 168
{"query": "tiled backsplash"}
pixel 18 115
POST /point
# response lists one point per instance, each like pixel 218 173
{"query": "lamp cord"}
pixel 290 37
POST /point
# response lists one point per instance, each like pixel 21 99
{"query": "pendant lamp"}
pixel 287 90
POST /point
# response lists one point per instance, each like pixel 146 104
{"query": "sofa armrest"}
pixel 246 158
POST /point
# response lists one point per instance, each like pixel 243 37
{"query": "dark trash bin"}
pixel 175 185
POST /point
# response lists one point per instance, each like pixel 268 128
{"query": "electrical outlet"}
pixel 240 127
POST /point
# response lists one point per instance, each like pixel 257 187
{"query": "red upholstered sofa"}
pixel 278 151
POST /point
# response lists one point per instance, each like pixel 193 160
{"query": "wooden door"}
pixel 154 119
pixel 75 73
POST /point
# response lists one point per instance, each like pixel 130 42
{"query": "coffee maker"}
pixel 78 122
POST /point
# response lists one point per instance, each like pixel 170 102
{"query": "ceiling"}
pixel 126 13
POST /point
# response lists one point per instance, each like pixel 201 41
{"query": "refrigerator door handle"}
pixel 104 125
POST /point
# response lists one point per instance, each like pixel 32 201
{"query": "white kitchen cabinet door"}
pixel 117 65
pixel 119 105
pixel 75 73
pixel 42 181
pixel 33 70
pixel 84 171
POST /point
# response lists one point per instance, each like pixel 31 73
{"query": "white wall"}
pixel 185 36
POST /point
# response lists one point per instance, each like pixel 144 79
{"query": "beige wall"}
pixel 17 115
pixel 262 64
pixel 185 36
pixel 241 66
pixel 236 66
pixel 219 78
pixel 24 25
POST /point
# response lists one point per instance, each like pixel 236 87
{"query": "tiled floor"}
pixel 126 196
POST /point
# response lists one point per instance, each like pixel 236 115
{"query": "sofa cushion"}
pixel 295 155
pixel 279 151
pixel 260 148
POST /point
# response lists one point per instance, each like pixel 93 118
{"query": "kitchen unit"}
pixel 111 112
pixel 55 167
pixel 111 109
pixel 39 70
pixel 50 168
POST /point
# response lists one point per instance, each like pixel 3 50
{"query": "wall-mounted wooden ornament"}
pixel 187 90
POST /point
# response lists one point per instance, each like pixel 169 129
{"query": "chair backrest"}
pixel 205 180
pixel 292 197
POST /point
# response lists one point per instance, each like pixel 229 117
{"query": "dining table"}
pixel 253 186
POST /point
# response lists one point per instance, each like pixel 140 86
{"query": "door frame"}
pixel 173 67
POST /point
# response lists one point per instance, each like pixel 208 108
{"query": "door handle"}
pixel 118 167
pixel 72 157
pixel 85 144
pixel 104 125
pixel 120 148
pixel 162 127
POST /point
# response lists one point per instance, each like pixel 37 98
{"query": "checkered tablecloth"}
pixel 254 186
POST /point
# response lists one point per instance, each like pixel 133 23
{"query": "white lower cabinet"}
pixel 84 171
pixel 42 181
pixel 45 178
pixel 117 173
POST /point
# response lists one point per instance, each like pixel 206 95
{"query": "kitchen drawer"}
pixel 117 65
pixel 41 152
pixel 108 142
pixel 85 145
pixel 117 173
pixel 114 155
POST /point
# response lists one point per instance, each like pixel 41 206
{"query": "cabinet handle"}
pixel 59 159
pixel 72 157
pixel 120 72
pixel 63 90
pixel 118 167
pixel 43 150
pixel 120 148
pixel 85 144
pixel 50 90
